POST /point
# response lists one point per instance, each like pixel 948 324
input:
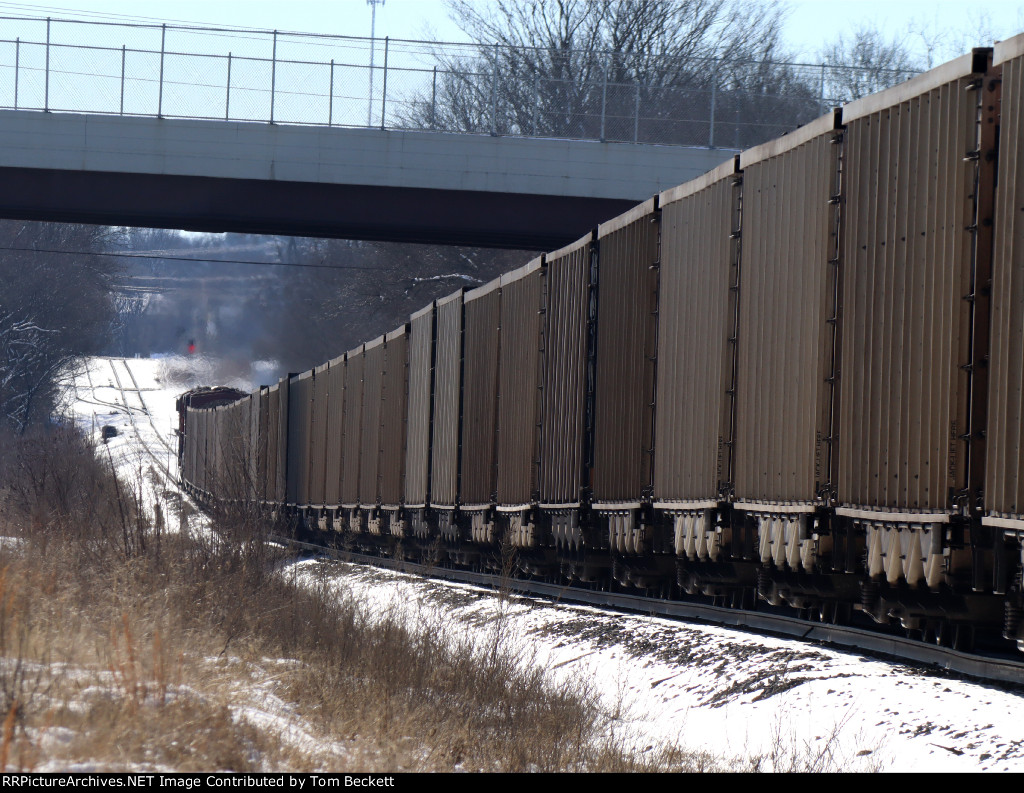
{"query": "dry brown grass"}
pixel 124 648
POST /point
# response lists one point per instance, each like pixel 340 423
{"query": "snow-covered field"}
pixel 730 693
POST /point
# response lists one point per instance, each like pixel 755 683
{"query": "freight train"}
pixel 797 380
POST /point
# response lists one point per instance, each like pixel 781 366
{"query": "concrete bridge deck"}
pixel 326 182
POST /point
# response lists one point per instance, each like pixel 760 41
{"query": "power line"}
pixel 319 266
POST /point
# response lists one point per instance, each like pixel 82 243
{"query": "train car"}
pixel 785 351
pixel 627 305
pixel 331 517
pixel 318 435
pixel 194 400
pixel 277 442
pixel 419 423
pixel 783 379
pixel 481 354
pixel 393 430
pixel 915 254
pixel 299 443
pixel 352 439
pixel 370 429
pixel 567 407
pixel 446 448
pixel 698 329
pixel 520 396
pixel 1004 470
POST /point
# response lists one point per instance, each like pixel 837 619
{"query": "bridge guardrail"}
pixel 238 74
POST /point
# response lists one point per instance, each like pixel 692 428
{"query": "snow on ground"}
pixel 731 693
pixel 130 405
pixel 724 691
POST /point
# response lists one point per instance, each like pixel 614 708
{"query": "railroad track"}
pixel 131 411
pixel 988 668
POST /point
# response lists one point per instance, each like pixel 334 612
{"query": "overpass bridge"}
pixel 398 185
pixel 277 132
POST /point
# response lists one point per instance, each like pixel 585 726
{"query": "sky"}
pixel 810 24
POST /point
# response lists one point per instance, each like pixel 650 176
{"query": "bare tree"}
pixel 616 70
pixel 865 62
pixel 359 290
pixel 54 308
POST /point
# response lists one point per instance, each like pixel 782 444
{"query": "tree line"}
pixel 693 72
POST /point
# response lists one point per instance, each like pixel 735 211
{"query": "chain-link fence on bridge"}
pixel 291 78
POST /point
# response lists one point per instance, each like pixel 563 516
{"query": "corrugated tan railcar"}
pixel 1004 472
pixel 262 457
pixel 916 231
pixel 446 462
pixel 419 426
pixel 697 334
pixel 394 398
pixel 321 402
pixel 564 440
pixel 281 462
pixel 786 339
pixel 478 475
pixel 369 447
pixel 300 416
pixel 627 304
pixel 333 442
pixel 520 394
pixel 352 438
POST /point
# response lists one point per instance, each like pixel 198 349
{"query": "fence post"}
pixel 273 77
pixel 46 90
pixel 227 99
pixel 536 103
pixel 433 102
pixel 384 87
pixel 821 90
pixel 604 98
pixel 494 93
pixel 636 115
pixel 714 91
pixel 123 52
pixel 330 99
pixel 17 60
pixel 160 94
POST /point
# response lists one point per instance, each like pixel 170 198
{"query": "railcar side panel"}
pixel 352 442
pixel 369 454
pixel 907 264
pixel 696 353
pixel 420 403
pixel 445 453
pixel 334 431
pixel 563 412
pixel 273 441
pixel 627 302
pixel 251 476
pixel 283 462
pixel 189 467
pixel 394 391
pixel 1004 482
pixel 480 400
pixel 300 416
pixel 784 356
pixel 215 444
pixel 321 399
pixel 520 388
pixel 262 428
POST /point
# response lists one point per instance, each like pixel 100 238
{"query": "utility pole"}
pixel 373 45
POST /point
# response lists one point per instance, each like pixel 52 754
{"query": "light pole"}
pixel 373 44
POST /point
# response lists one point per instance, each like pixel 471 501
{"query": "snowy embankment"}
pixel 730 693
